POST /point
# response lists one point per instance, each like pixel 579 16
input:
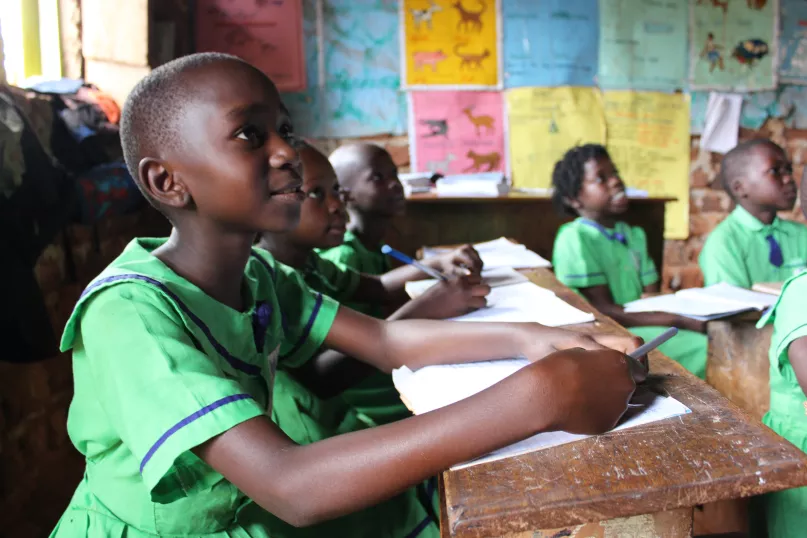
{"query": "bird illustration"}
pixel 750 51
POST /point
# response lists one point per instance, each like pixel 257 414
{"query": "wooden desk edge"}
pixel 512 197
pixel 792 473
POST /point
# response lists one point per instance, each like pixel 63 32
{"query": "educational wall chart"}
pixel 544 123
pixel 648 139
pixel 355 76
pixel 457 132
pixel 793 41
pixel 642 44
pixel 450 43
pixel 550 43
pixel 733 44
pixel 268 35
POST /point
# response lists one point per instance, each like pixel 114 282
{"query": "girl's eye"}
pixel 315 194
pixel 253 135
pixel 376 177
pixel 286 131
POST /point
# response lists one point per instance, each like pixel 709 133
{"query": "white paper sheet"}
pixel 712 302
pixel 504 276
pixel 434 387
pixel 722 127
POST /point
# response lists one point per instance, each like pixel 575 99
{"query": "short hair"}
pixel 568 174
pixel 736 161
pixel 348 159
pixel 149 117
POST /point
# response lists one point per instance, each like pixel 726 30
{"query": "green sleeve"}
pixel 333 279
pixel 575 261
pixel 307 316
pixel 162 394
pixel 648 271
pixel 345 255
pixel 720 262
pixel 790 321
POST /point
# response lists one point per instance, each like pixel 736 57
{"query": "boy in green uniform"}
pixel 176 343
pixel 322 225
pixel 368 173
pixel 606 259
pixel 752 244
pixel 786 511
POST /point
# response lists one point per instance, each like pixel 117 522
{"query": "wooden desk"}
pixel 638 482
pixel 531 220
pixel 738 365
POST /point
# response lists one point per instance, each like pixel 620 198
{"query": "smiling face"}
pixel 322 217
pixel 235 164
pixel 602 193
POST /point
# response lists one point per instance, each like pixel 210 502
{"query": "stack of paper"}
pixel 527 303
pixel 773 288
pixel 434 387
pixel 713 302
pixel 501 253
pixel 494 278
pixel 417 182
pixel 484 184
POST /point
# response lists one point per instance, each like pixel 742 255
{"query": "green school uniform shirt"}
pixel 159 368
pixel 352 254
pixel 737 251
pixel 587 254
pixel 333 278
pixel 786 511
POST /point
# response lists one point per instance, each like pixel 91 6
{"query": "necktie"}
pixel 775 255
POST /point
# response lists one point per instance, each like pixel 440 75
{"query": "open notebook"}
pixel 501 253
pixel 527 302
pixel 713 302
pixel 434 387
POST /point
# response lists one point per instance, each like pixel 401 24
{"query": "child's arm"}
pixel 576 391
pixel 797 354
pixel 600 298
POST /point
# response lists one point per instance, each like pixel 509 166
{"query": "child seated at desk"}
pixel 176 343
pixel 606 259
pixel 322 225
pixel 786 511
pixel 752 245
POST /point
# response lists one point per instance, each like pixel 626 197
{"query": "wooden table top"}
pixel 717 452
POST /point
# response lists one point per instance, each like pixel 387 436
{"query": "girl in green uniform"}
pixel 786 511
pixel 606 259
pixel 175 345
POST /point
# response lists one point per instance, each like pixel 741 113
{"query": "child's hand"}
pixel 590 389
pixel 458 262
pixel 542 341
pixel 450 298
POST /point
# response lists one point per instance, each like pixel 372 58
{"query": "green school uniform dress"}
pixel 375 396
pixel 587 254
pixel 743 251
pixel 786 511
pixel 159 368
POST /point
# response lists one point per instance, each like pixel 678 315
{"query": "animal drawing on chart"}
pixel 436 128
pixel 472 61
pixel 479 121
pixel 757 4
pixel 750 51
pixel 441 165
pixel 470 20
pixel 428 57
pixel 492 160
pixel 424 15
pixel 717 3
pixel 711 51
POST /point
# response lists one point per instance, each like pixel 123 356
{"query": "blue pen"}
pixel 403 258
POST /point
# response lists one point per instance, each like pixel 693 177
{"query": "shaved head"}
pixel 735 165
pixel 351 160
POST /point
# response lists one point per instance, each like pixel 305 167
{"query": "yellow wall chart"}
pixel 450 43
pixel 648 139
pixel 546 122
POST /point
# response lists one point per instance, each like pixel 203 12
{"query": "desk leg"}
pixel 672 524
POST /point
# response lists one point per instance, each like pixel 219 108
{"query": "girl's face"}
pixel 602 193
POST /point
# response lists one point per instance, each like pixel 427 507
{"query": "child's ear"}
pixel 162 185
pixel 572 202
pixel 737 188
